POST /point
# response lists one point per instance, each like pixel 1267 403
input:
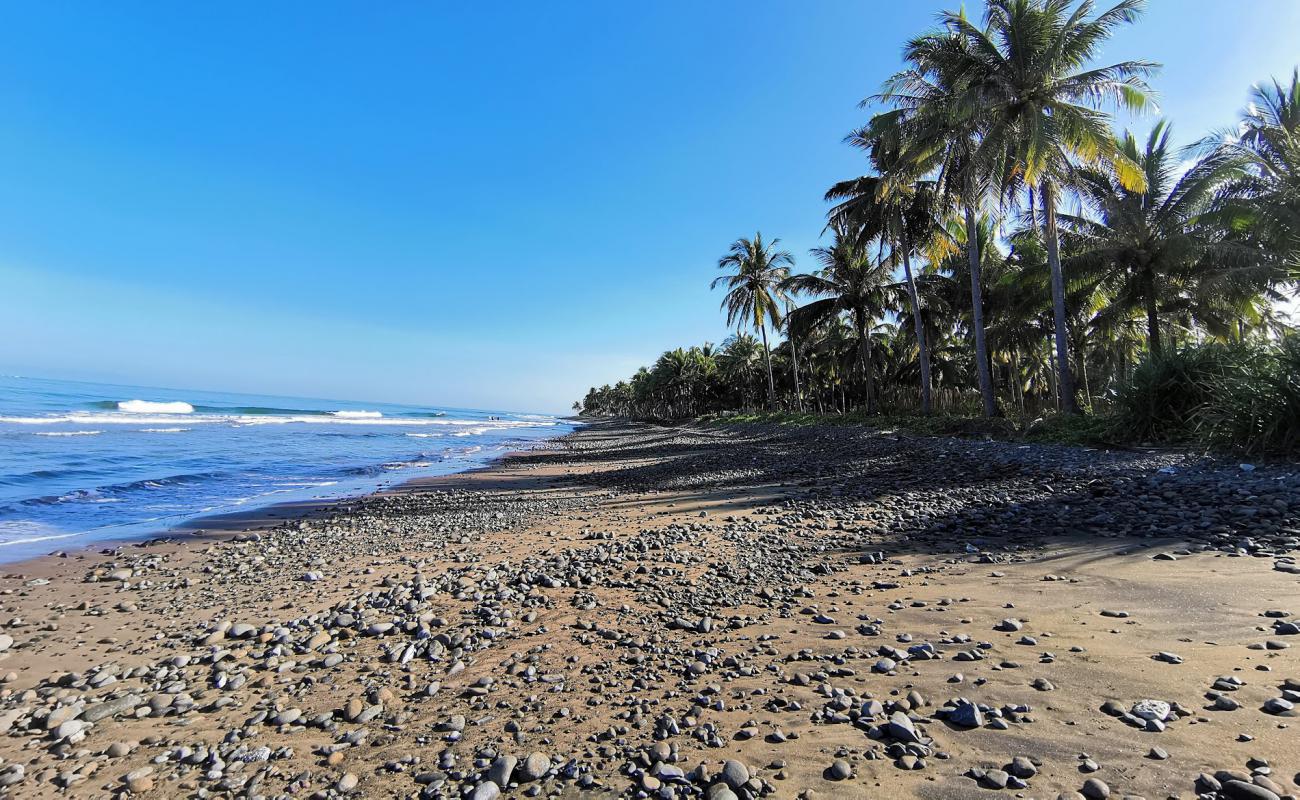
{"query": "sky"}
pixel 481 205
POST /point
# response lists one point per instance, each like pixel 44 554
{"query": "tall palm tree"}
pixel 1266 145
pixel 937 123
pixel 1148 248
pixel 904 212
pixel 753 289
pixel 1043 110
pixel 850 281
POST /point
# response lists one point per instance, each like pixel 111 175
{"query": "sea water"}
pixel 82 463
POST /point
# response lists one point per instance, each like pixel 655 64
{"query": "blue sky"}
pixel 491 205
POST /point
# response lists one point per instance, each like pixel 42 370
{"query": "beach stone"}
pixel 487 790
pixel 140 780
pixel 535 767
pixel 1095 789
pixel 1243 790
pixel 966 714
pixel 735 774
pixel 900 727
pixel 839 770
pixel 111 708
pixel 994 779
pixel 1151 710
pixel 6 642
pixel 73 730
pixel 1279 707
pixel 1022 767
pixel 501 770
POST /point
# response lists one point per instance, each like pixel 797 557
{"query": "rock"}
pixel 900 727
pixel 140 780
pixel 1241 790
pixel 966 714
pixel 839 770
pixel 1151 709
pixel 73 731
pixel 487 790
pixel 1022 767
pixel 6 642
pixel 735 774
pixel 1279 707
pixel 502 769
pixel 111 708
pixel 535 767
pixel 994 779
pixel 1095 789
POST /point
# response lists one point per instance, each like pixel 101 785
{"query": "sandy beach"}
pixel 693 611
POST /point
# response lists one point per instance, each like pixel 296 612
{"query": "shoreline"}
pixel 221 525
pixel 634 607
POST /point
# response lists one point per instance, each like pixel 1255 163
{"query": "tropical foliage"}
pixel 1008 253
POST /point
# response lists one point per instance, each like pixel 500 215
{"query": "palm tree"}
pixel 740 362
pixel 1149 247
pixel 753 289
pixel 1042 101
pixel 905 213
pixel 1266 145
pixel 936 124
pixel 850 282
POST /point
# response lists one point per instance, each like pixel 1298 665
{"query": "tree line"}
pixel 1007 251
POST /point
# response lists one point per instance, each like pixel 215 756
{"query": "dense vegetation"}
pixel 1009 254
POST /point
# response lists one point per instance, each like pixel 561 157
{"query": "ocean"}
pixel 82 463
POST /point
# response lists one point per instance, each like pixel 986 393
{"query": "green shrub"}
pixel 1244 397
pixel 1257 407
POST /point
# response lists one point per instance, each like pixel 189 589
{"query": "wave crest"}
pixel 152 407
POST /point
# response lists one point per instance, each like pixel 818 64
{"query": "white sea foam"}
pixel 356 414
pixel 68 433
pixel 151 407
pixel 162 430
pixel 26 532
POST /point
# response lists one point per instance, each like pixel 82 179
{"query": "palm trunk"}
pixel 771 382
pixel 1066 382
pixel 794 360
pixel 864 354
pixel 1017 383
pixel 1153 321
pixel 1083 373
pixel 923 347
pixel 1052 374
pixel 977 310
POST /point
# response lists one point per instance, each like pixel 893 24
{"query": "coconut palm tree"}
pixel 1266 145
pixel 1148 248
pixel 937 124
pixel 753 289
pixel 906 213
pixel 740 364
pixel 1042 102
pixel 850 281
